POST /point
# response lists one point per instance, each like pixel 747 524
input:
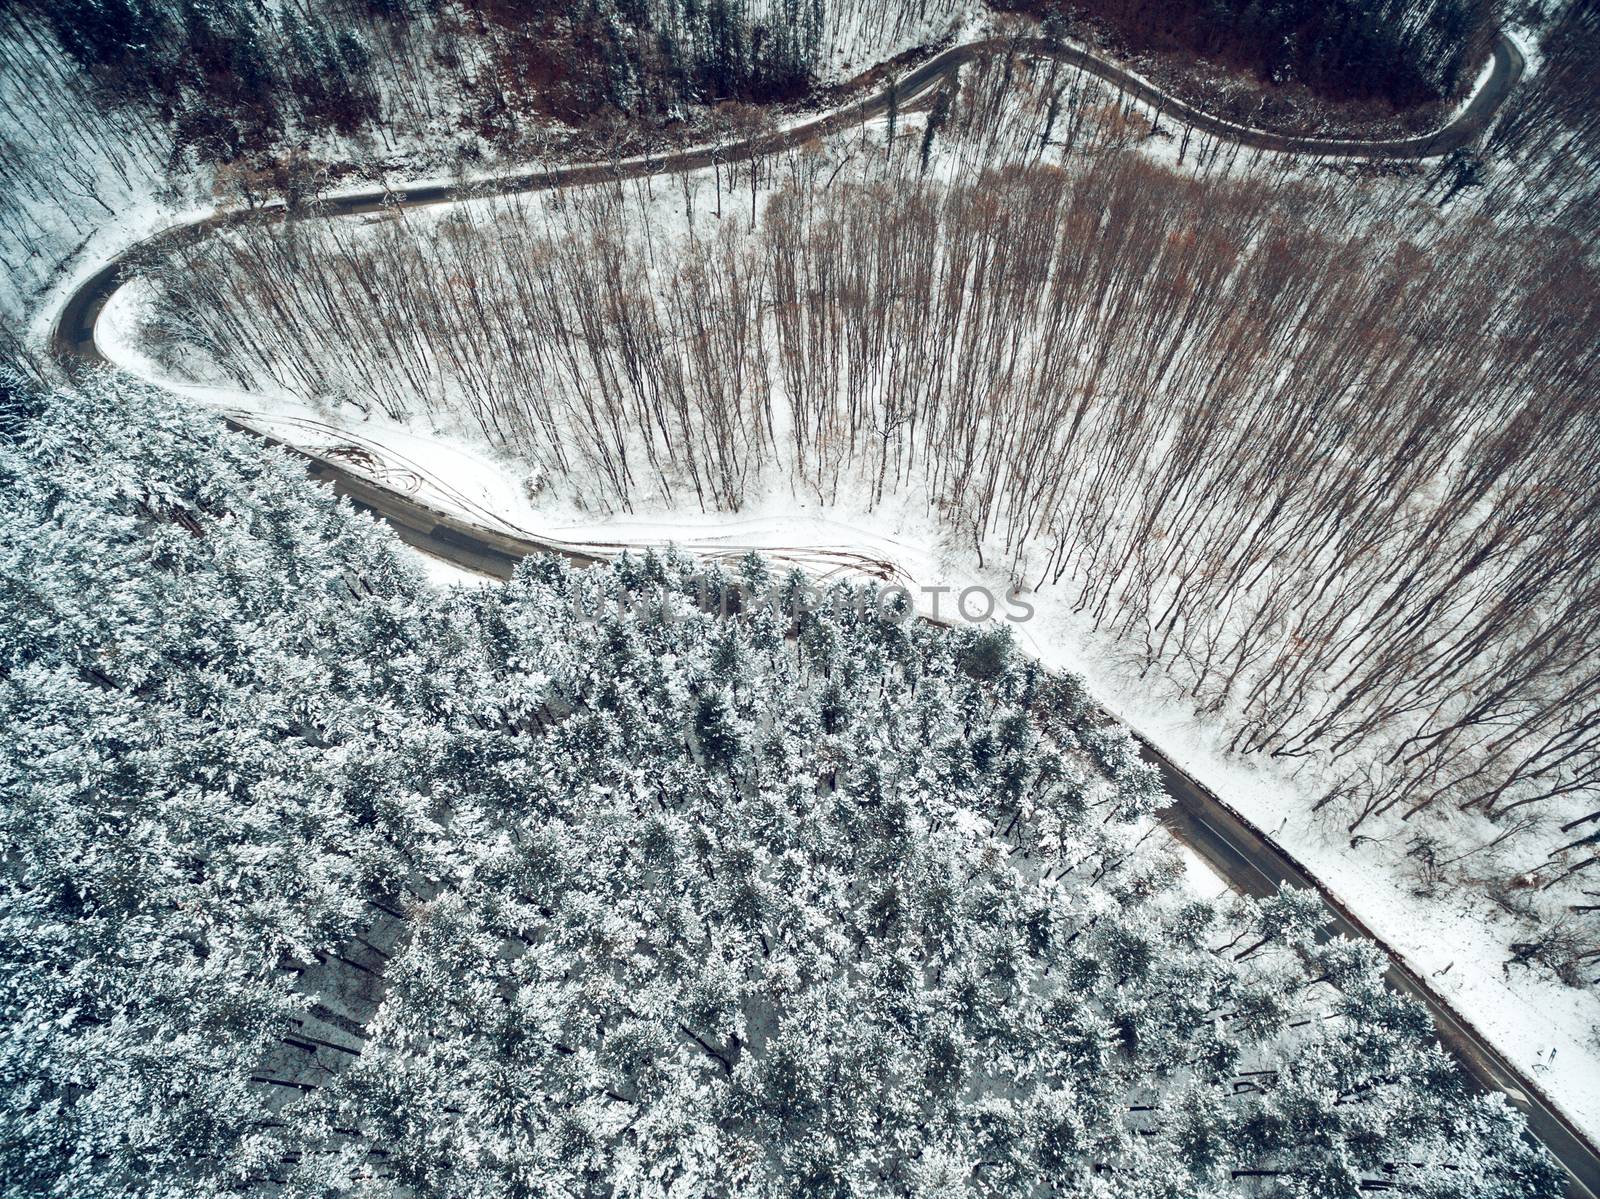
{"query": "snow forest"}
pixel 1084 370
pixel 320 880
pixel 472 473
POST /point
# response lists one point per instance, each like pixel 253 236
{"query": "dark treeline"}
pixel 1403 51
pixel 232 73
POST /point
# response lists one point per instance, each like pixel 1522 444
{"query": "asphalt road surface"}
pixel 1233 847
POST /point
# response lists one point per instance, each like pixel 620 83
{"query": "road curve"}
pixel 1238 851
pixel 73 332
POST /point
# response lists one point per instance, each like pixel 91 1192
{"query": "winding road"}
pixel 1234 848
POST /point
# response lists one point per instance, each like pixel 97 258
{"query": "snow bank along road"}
pixel 1238 851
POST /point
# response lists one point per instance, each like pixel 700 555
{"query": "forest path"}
pixel 1241 853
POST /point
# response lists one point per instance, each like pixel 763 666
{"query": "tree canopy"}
pixel 319 881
